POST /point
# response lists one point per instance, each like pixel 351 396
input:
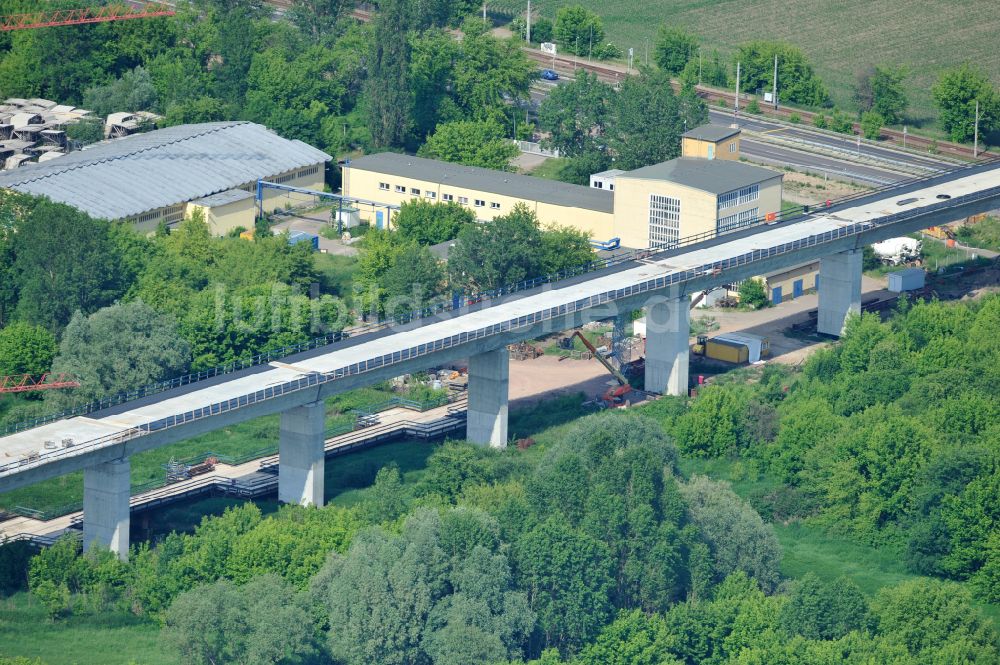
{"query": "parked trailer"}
pixel 736 348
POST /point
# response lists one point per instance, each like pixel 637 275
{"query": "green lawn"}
pixel 808 548
pixel 840 38
pixel 105 639
pixel 336 274
pixel 985 234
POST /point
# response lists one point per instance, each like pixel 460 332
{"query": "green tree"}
pixel 119 348
pixel 738 537
pixel 386 89
pixel 56 278
pixel 134 91
pixel 26 349
pixel 500 253
pixel 415 279
pixel 318 18
pixel 797 82
pixel 674 48
pixel 577 29
pixel 472 143
pixel 86 131
pixel 841 123
pixel 575 114
pixel 261 623
pixel 568 577
pixel 880 89
pixel 871 125
pixel 824 611
pixel 956 93
pixel 646 120
pixel 753 294
pixel 564 247
pixel 427 223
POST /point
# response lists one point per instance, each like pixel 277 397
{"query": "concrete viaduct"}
pixel 295 387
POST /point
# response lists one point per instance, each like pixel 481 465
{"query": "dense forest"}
pixel 594 547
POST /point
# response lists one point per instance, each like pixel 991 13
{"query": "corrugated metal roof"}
pixel 224 198
pixel 711 133
pixel 129 176
pixel 487 180
pixel 717 176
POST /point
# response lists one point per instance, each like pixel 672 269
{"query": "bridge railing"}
pixel 315 379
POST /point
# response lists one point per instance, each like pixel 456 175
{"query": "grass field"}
pixel 840 38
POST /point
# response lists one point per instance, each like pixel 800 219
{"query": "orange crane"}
pixel 99 14
pixel 22 383
pixel 614 396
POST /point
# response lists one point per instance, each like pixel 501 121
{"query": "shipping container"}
pixel 910 279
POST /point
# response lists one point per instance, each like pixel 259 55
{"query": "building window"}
pixel 464 200
pixel 480 203
pixel 495 205
pixel 447 197
pixel 312 170
pixel 739 197
pixel 384 186
pixel 431 195
pixel 598 184
pixel 732 147
pixel 737 221
pixel 400 189
pixel 414 191
pixel 664 221
pixel 611 186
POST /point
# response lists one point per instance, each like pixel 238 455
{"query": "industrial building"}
pixel 165 175
pixel 705 190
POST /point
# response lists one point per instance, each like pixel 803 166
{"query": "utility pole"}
pixel 590 53
pixel 484 11
pixel 699 65
pixel 527 23
pixel 975 145
pixel 774 88
pixel 904 136
pixel 736 101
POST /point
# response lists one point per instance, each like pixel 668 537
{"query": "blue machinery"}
pixel 383 211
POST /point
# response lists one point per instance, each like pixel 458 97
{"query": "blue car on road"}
pixel 549 75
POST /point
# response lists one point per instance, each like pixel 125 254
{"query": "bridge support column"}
pixel 106 491
pixel 839 290
pixel 489 375
pixel 301 457
pixel 668 332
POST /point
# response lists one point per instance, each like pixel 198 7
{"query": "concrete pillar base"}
pixel 106 491
pixel 839 291
pixel 301 457
pixel 668 331
pixel 489 375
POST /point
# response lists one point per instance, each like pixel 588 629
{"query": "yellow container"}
pixel 729 352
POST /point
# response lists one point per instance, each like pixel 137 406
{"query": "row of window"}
pixel 739 220
pixel 430 194
pixel 664 221
pixel 739 197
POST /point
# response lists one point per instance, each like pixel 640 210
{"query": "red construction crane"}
pixel 100 14
pixel 22 383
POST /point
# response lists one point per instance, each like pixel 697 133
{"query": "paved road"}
pixel 842 167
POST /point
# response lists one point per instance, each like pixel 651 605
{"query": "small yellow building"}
pixel 711 142
pixel 225 211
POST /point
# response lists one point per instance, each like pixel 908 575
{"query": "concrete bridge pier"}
pixel 301 457
pixel 489 385
pixel 668 332
pixel 839 290
pixel 106 492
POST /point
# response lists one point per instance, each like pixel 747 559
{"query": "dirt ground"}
pixel 808 189
pixel 532 381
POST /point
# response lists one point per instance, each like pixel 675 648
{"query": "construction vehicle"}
pixel 614 397
pixel 733 348
pixel 897 251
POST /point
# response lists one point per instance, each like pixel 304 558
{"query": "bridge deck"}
pixel 359 356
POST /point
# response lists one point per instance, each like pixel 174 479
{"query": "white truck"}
pixel 897 251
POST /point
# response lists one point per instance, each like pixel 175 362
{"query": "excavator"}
pixel 614 397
